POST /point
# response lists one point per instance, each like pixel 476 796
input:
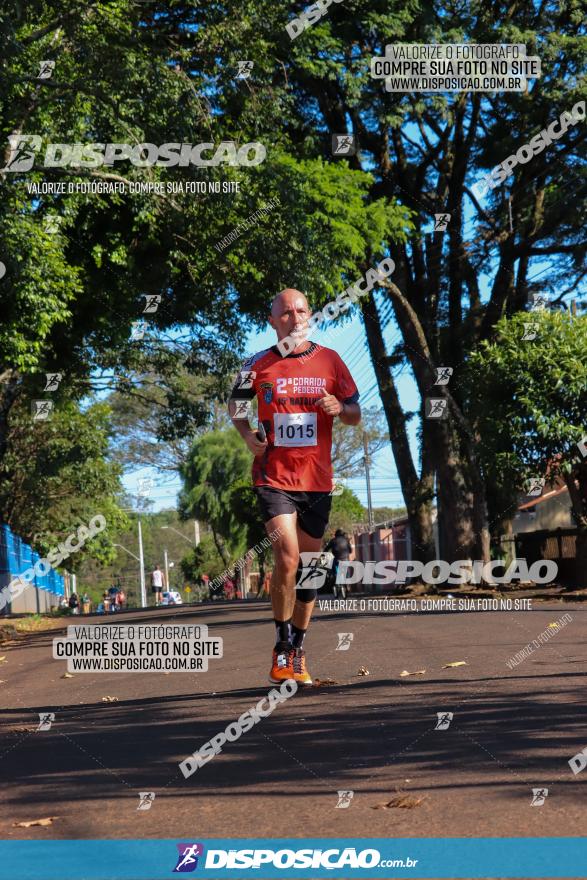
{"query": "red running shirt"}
pixel 299 434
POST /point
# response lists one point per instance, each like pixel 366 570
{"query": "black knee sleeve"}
pixel 304 595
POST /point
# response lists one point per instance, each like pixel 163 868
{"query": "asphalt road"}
pixel 512 731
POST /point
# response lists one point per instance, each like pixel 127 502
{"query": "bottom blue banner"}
pixel 292 858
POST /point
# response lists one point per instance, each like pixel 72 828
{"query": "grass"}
pixel 33 623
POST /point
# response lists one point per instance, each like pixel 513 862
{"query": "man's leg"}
pixel 283 582
pixel 286 554
pixel 304 600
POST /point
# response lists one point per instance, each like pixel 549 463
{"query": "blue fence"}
pixel 15 558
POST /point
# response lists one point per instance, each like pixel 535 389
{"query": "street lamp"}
pixel 181 535
pixel 168 565
pixel 130 553
pixel 141 558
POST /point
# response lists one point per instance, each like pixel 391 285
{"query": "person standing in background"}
pixel 157 584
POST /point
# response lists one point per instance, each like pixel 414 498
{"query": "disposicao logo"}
pixel 188 855
pixel 25 148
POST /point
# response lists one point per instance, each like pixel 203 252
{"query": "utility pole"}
pixel 367 461
pixel 142 567
pixel 166 569
pixel 196 532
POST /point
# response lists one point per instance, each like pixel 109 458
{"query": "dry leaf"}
pixel 555 625
pixel 456 663
pixel 401 801
pixel 417 672
pixel 323 682
pixel 47 821
pixel 110 699
pixel 3 657
pixel 363 671
pixel 67 675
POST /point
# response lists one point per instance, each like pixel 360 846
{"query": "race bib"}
pixel 295 429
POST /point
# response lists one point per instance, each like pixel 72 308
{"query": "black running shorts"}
pixel 312 508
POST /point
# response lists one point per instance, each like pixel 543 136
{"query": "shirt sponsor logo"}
pixel 301 385
pixel 267 389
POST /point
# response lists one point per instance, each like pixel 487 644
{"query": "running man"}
pixel 299 397
pixel 157 584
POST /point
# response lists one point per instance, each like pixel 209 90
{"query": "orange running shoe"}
pixel 282 666
pixel 301 674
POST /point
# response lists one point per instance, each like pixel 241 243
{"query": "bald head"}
pixel 290 314
pixel 290 297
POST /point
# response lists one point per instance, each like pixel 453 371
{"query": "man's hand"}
pixel 256 446
pixel 329 404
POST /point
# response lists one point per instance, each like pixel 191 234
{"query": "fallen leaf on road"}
pixel 3 657
pixel 323 682
pixel 47 821
pixel 456 663
pixel 67 675
pixel 110 699
pixel 402 801
pixel 363 671
pixel 555 625
pixel 417 672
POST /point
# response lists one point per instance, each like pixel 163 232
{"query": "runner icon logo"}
pixel 444 719
pixel 344 800
pixel 539 795
pixel 344 641
pixel 441 222
pixel 187 859
pixel 443 375
pixel 146 799
pixel 52 381
pixel 435 408
pixel 312 575
pixel 45 720
pixel 344 145
pixel 41 410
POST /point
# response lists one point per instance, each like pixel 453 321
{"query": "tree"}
pixel 204 559
pixel 382 514
pixel 172 409
pixel 348 452
pixel 56 476
pixel 528 391
pixel 346 511
pixel 134 73
pixel 424 151
pixel 80 266
pixel 217 463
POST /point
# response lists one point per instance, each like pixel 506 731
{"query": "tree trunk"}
pixel 577 486
pixel 417 492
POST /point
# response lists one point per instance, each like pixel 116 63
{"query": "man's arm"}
pixel 350 414
pixel 256 446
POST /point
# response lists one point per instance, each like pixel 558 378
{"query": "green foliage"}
pixel 346 510
pixel 529 397
pixel 56 476
pixel 205 559
pixel 218 462
pixel 380 514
